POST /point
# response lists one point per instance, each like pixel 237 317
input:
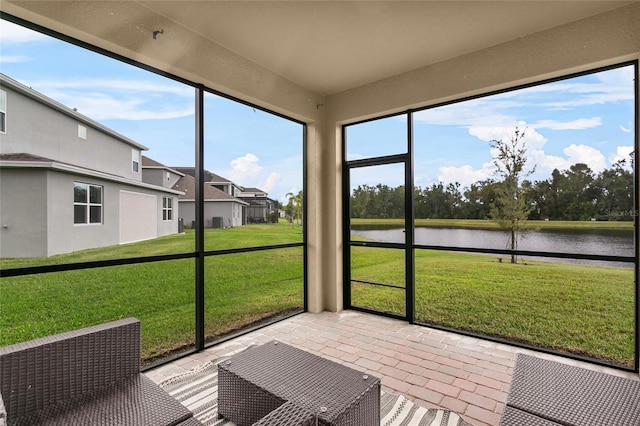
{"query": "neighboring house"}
pixel 68 183
pixel 260 205
pixel 158 174
pixel 221 210
pixel 257 203
pixel 212 179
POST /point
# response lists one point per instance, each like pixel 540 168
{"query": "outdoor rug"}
pixel 197 389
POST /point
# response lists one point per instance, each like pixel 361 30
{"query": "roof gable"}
pixel 187 185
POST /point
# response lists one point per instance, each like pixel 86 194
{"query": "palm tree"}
pixel 295 206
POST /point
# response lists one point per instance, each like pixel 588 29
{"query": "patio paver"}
pixel 468 375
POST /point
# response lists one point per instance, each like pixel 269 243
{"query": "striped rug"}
pixel 197 389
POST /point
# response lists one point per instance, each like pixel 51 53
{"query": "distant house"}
pixel 260 205
pixel 68 183
pixel 257 204
pixel 214 180
pixel 221 210
pixel 158 174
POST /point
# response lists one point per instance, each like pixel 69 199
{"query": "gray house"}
pixel 68 183
pixel 260 205
pixel 221 210
pixel 256 203
pixel 214 180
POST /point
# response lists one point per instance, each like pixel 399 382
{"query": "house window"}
pixel 167 208
pixel 3 111
pixel 135 160
pixel 82 131
pixel 87 203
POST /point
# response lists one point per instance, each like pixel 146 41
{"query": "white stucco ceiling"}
pixel 331 46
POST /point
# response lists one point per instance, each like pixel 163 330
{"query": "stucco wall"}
pixel 159 177
pixel 23 213
pixel 56 137
pixel 37 209
pixel 212 209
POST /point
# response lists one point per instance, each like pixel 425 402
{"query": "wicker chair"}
pixel 84 377
pixel 549 393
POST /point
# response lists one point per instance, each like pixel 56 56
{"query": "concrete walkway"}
pixel 437 369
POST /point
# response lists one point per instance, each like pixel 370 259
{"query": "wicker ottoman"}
pixel 260 380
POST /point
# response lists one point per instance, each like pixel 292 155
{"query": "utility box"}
pixel 217 222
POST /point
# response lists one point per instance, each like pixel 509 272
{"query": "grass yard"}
pixel 586 310
pixel 240 289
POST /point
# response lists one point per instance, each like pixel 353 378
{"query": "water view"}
pixel 597 242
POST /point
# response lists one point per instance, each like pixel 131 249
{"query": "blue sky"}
pixel 246 145
pixel 587 119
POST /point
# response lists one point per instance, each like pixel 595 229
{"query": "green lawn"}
pixel 587 310
pixel 240 289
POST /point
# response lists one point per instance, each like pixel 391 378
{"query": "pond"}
pixel 597 242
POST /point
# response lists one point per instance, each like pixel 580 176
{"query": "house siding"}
pixel 23 213
pixel 45 155
pixel 212 209
pixel 56 136
pixel 37 209
pixel 159 177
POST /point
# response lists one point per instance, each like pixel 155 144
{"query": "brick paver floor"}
pixel 435 368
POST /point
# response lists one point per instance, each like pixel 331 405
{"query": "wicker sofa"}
pixel 84 377
pixel 549 393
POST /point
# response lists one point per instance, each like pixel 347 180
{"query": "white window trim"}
pixel 89 204
pixel 135 160
pixel 3 110
pixel 167 212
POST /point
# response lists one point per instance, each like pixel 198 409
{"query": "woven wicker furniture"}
pixel 272 382
pixel 547 393
pixel 85 377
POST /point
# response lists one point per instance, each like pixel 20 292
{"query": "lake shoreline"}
pixel 534 225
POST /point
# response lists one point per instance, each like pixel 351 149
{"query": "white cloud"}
pixel 532 139
pixel 465 175
pixel 272 180
pixel 622 153
pixel 112 86
pixel 244 170
pixel 11 33
pixel 101 106
pixel 13 59
pixel 612 86
pixel 276 178
pixel 545 164
pixel 475 112
pixel 587 155
pixel 504 109
pixel 106 99
pixel 579 124
pixel 624 129
pixel 284 199
pixel 598 98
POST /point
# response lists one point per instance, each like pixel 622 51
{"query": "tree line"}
pixel 577 193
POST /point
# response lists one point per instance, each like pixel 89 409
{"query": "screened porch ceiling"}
pixel 323 47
